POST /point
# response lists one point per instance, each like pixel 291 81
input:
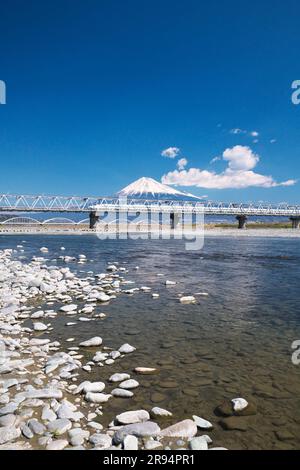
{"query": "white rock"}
pixel 95 387
pixel 198 443
pixel 119 377
pixel 131 417
pixel 129 384
pixel 187 299
pixel 185 429
pixel 97 397
pixel 121 393
pixel 126 349
pixel 202 423
pixel 95 341
pixel 38 326
pixel 130 443
pixel 58 444
pixel 170 283
pixel 156 411
pixel 239 404
pixel 68 308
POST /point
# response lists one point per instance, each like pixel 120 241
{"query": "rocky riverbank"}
pixel 46 401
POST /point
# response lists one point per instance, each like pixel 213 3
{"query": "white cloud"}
pixel 237 131
pixel 181 164
pixel 170 152
pixel 240 158
pixel 254 134
pixel 273 141
pixel 216 159
pixel 238 174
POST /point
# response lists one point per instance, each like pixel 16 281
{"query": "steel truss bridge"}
pixel 96 206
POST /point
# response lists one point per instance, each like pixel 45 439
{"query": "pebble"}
pixel 188 299
pixel 122 393
pixel 185 429
pixel 68 308
pixel 130 417
pixel 119 377
pixel 198 443
pixel 9 433
pixel 239 404
pixel 129 384
pixel 39 326
pixel 202 423
pixel 102 441
pixel 145 370
pixel 97 397
pixel 59 426
pixel 161 412
pixel 126 349
pixel 36 427
pixel 58 444
pixel 130 443
pixel 95 341
pixel 146 429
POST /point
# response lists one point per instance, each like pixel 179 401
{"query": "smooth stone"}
pixel 121 393
pixel 97 397
pixel 131 417
pixel 145 429
pixel 239 404
pixel 95 425
pixel 129 384
pixel 185 429
pixel 95 341
pixel 26 431
pixel 126 349
pixel 7 420
pixel 130 443
pixel 102 441
pixel 152 445
pixel 202 423
pixel 48 414
pixel 160 412
pixel 187 299
pixel 9 433
pixel 58 444
pixel 68 308
pixel 145 370
pixel 198 443
pixel 59 426
pixel 170 283
pixel 39 326
pixel 77 436
pixel 234 423
pixel 36 427
pixel 95 387
pixel 8 409
pixel 119 377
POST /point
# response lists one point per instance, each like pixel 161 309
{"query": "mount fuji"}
pixel 148 188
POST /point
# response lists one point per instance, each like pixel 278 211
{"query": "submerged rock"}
pixel 146 429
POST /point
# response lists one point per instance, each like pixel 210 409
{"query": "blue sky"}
pixel 96 91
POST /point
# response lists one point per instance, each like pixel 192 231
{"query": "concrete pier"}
pixel 242 220
pixel 295 222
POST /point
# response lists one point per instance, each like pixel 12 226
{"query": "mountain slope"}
pixel 148 188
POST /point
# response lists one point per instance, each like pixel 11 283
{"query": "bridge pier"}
pixel 94 218
pixel 242 220
pixel 175 219
pixel 295 222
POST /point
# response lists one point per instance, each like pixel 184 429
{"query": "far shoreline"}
pixel 209 231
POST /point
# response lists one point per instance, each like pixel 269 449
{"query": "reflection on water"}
pixel 234 342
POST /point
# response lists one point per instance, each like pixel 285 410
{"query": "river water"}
pixel 235 342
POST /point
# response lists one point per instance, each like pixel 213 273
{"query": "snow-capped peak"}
pixel 148 187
